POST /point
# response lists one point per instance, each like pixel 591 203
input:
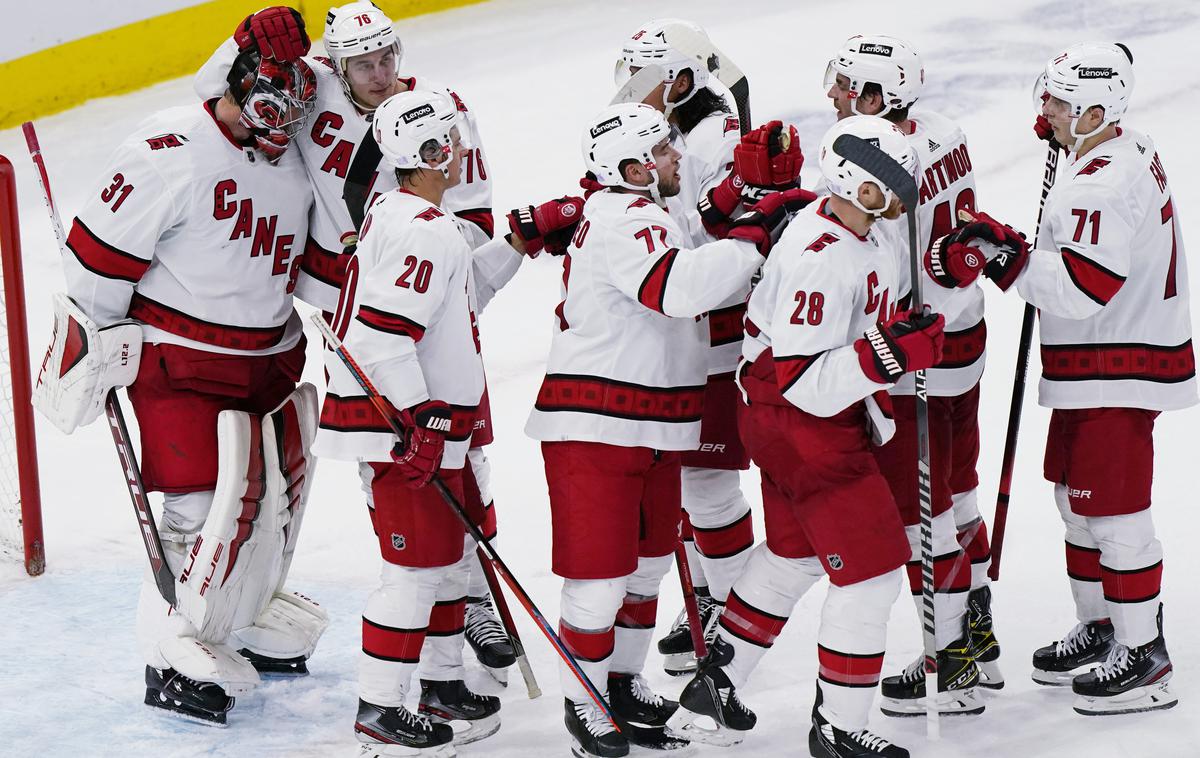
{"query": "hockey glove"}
pixel 549 225
pixel 953 263
pixel 590 185
pixel 419 454
pixel 769 156
pixel 906 342
pixel 1005 248
pixel 765 221
pixel 1043 130
pixel 276 33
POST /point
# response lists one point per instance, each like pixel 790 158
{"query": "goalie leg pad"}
pixel 82 364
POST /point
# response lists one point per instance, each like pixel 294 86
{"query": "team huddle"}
pixel 713 314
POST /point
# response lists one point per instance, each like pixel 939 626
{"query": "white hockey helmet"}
pixel 844 177
pixel 1088 74
pixel 620 133
pixel 651 43
pixel 418 129
pixel 889 62
pixel 356 29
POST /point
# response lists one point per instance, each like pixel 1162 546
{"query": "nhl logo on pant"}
pixel 833 559
pixel 398 541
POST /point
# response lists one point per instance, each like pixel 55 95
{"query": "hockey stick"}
pixel 699 647
pixel 388 413
pixel 510 627
pixel 1018 396
pixel 163 577
pixel 878 164
pixel 695 45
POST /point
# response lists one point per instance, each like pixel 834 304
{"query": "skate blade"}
pixel 1055 678
pixel 686 725
pixel 499 675
pixel 466 732
pixel 956 703
pixel 162 709
pixel 1156 697
pixel 379 750
pixel 680 664
pixel 990 676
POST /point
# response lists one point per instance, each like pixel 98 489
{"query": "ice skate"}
pixel 712 697
pixel 486 636
pixel 397 731
pixel 1130 680
pixel 452 703
pixel 1055 664
pixel 592 734
pixel 171 691
pixel 958 678
pixel 985 648
pixel 827 741
pixel 679 654
pixel 643 714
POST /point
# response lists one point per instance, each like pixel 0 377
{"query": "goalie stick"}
pixel 698 46
pixel 164 579
pixel 389 415
pixel 880 165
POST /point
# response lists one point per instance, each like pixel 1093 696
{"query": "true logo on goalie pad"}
pixel 835 561
pixel 398 542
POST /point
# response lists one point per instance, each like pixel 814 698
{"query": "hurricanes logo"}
pixel 835 561
pixel 398 541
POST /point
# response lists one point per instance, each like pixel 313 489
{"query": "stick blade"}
pixel 696 45
pixel 880 165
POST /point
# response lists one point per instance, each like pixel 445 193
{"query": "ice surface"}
pixel 533 70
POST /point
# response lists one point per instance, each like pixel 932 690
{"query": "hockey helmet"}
pixel 844 177
pixel 651 44
pixel 1088 74
pixel 418 129
pixel 357 29
pixel 889 62
pixel 276 99
pixel 620 133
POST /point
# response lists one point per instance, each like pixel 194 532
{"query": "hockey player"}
pixel 191 244
pixel 622 397
pixel 711 190
pixel 1109 277
pixel 343 162
pixel 822 339
pixel 408 315
pixel 883 76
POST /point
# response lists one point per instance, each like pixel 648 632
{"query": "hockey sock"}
pixel 394 625
pixel 1083 562
pixel 588 610
pixel 850 646
pixel 1130 573
pixel 635 617
pixel 442 655
pixel 759 605
pixel 951 577
pixel 695 567
pixel 477 585
pixel 973 536
pixel 721 523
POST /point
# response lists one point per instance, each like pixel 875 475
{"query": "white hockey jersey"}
pixel 627 362
pixel 707 160
pixel 407 317
pixel 331 145
pixel 194 235
pixel 822 287
pixel 947 185
pixel 1110 277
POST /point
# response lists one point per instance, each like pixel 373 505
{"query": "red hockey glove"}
pixel 953 263
pixel 766 220
pixel 549 225
pixel 590 185
pixel 906 342
pixel 276 33
pixel 1043 130
pixel 419 454
pixel 1005 248
pixel 769 156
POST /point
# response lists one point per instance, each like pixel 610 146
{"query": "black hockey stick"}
pixel 388 413
pixel 881 166
pixel 163 577
pixel 1018 396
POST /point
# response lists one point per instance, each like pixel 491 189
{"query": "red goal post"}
pixel 20 492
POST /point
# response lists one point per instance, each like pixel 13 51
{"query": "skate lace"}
pixel 1116 664
pixel 915 671
pixel 642 692
pixel 413 720
pixel 869 740
pixel 1074 641
pixel 482 626
pixel 593 719
pixel 680 621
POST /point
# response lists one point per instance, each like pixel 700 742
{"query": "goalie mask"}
pixel 651 44
pixel 420 129
pixel 844 177
pixel 357 29
pixel 888 62
pixel 1086 75
pixel 620 133
pixel 276 100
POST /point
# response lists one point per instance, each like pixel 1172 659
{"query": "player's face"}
pixel 1058 113
pixel 842 96
pixel 372 76
pixel 666 159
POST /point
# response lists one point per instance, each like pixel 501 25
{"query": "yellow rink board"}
pixel 139 54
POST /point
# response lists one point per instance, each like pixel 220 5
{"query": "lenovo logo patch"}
pixel 1095 72
pixel 605 126
pixel 416 113
pixel 874 48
